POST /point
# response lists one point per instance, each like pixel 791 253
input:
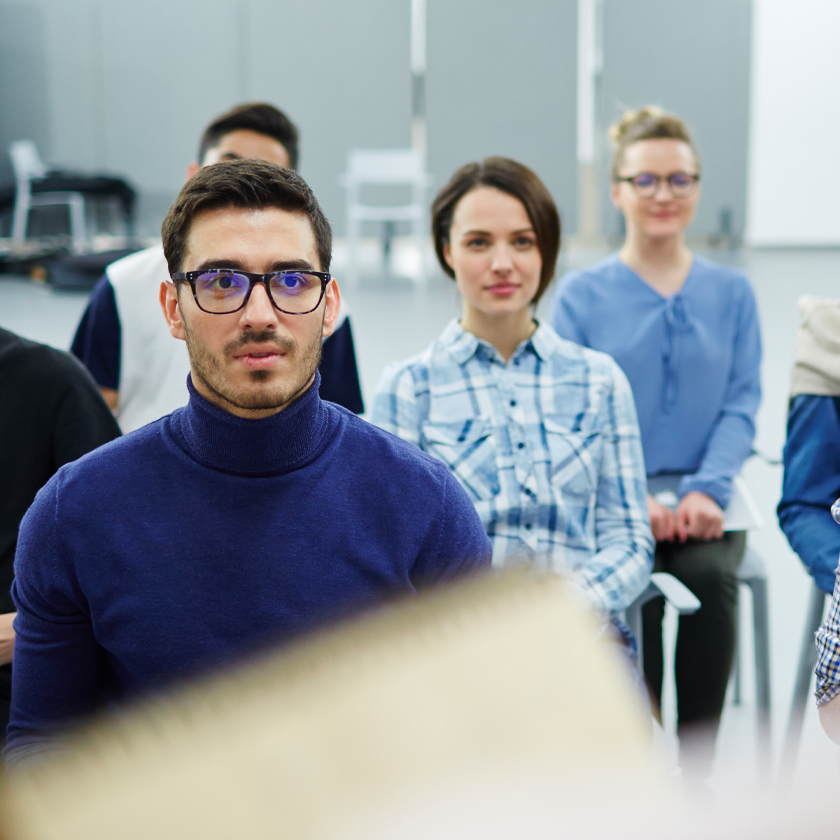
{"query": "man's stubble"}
pixel 210 371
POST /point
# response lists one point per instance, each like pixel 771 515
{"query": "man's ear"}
pixel 171 309
pixel 332 308
pixel 446 255
pixel 191 170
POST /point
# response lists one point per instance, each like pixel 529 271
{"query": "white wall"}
pixel 794 161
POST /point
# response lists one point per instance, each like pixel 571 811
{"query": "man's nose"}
pixel 259 312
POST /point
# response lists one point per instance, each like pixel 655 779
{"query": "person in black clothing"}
pixel 51 413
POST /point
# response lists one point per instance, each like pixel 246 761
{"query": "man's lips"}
pixel 258 356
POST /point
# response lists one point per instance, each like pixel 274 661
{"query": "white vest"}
pixel 153 364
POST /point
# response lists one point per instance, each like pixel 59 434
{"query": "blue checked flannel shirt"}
pixel 828 651
pixel 547 446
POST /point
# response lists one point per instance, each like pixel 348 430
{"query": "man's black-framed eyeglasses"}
pixel 646 184
pixel 221 291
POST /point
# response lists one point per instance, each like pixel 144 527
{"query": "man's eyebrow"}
pixel 231 156
pixel 236 265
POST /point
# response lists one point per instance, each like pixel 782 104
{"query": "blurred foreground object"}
pixel 485 710
pixel 496 681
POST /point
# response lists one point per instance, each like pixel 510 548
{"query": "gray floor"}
pixel 395 317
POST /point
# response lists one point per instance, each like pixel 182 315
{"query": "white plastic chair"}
pixel 802 685
pixel 28 166
pixel 389 167
pixel 752 573
pixel 676 593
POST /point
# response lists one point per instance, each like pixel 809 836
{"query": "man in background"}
pixel 50 414
pixel 122 338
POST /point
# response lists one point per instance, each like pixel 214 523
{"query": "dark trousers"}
pixel 705 640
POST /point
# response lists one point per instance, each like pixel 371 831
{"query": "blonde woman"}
pixel 685 332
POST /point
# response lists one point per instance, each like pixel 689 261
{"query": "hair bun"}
pixel 632 120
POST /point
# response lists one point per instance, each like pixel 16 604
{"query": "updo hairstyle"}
pixel 648 123
pixel 509 177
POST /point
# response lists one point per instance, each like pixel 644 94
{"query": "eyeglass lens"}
pixel 680 184
pixel 224 291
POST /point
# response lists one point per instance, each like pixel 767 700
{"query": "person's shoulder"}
pixel 564 352
pixel 375 448
pixel 133 450
pixel 43 363
pixel 603 271
pixel 418 367
pixel 722 274
pixel 140 268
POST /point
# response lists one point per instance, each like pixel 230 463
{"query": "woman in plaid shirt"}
pixel 540 432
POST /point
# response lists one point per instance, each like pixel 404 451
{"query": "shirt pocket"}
pixel 468 448
pixel 575 461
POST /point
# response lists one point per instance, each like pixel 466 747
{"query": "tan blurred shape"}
pixel 488 682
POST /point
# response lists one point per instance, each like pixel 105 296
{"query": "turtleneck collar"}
pixel 268 446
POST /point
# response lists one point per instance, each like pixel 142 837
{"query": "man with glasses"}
pixel 121 338
pixel 249 517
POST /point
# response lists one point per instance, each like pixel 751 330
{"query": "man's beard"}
pixel 207 368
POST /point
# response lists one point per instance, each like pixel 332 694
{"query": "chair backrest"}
pixel 26 161
pixel 384 166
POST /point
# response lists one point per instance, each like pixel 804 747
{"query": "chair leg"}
pixel 77 222
pixel 801 689
pixel 761 626
pixel 736 672
pixel 20 215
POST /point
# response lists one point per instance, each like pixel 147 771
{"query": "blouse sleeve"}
pixel 731 437
pixel 400 402
pixel 620 569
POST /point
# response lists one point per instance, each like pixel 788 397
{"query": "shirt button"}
pixel 512 403
pixel 527 526
pixel 520 445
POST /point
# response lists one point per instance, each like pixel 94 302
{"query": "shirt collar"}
pixel 463 345
pixel 267 446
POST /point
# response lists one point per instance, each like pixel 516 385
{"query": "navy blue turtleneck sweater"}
pixel 202 537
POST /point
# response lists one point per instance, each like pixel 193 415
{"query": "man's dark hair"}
pixel 259 117
pixel 516 180
pixel 246 184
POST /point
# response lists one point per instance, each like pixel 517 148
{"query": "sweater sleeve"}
pixel 458 544
pixel 811 484
pixel 731 438
pixel 58 664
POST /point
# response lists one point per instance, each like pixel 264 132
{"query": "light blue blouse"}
pixel 692 360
